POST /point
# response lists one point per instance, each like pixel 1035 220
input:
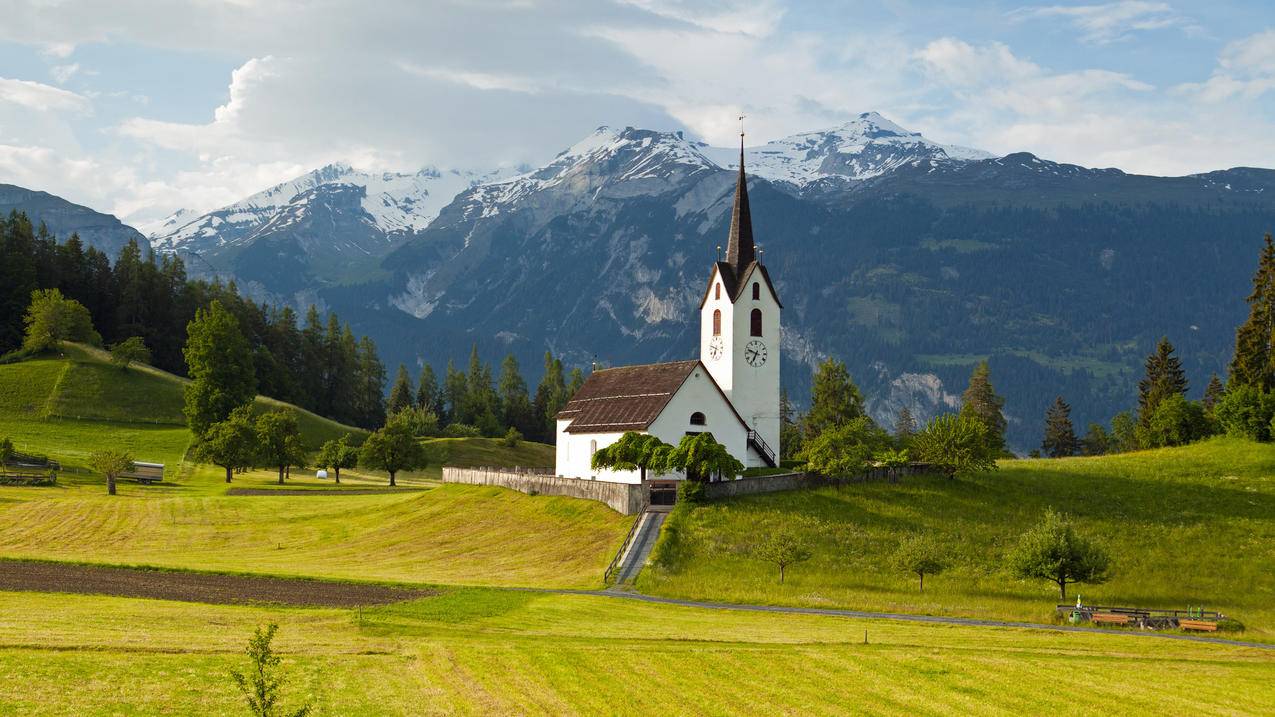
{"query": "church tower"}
pixel 739 331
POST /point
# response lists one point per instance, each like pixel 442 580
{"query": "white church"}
pixel 731 391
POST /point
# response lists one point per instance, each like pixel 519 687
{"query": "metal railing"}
pixel 628 540
pixel 756 441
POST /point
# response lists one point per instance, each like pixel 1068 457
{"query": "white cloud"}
pixel 62 73
pixel 1245 69
pixel 1114 21
pixel 38 96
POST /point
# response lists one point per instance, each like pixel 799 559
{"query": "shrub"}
pixel 1246 411
pixel 1175 422
pixel 462 430
pixel 691 491
pixel 261 685
pixel 512 438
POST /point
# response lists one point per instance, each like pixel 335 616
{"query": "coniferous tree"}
pixel 834 399
pixel 1164 378
pixel 980 401
pixel 17 277
pixel 371 380
pixel 577 380
pixel 1212 394
pixel 456 389
pixel 1254 363
pixel 1060 436
pixel 789 431
pixel 429 396
pixel 401 394
pixel 904 425
pixel 219 363
pixel 514 402
pixel 550 397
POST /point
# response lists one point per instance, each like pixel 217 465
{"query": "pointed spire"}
pixel 739 249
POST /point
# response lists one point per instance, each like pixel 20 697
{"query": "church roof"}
pixel 740 251
pixel 627 398
pixel 630 398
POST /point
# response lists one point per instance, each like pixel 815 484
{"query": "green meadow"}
pixel 1192 526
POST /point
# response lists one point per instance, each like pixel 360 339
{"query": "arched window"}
pixel 756 291
pixel 717 291
pixel 593 448
pixel 697 419
pixel 717 322
pixel 756 323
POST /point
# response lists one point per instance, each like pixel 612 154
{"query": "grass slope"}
pixel 1185 526
pixel 449 534
pixel 71 405
pixel 482 651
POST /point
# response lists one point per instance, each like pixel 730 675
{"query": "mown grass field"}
pixel 490 652
pixel 1192 526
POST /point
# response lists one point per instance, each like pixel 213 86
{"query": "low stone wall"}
pixel 795 481
pixel 625 498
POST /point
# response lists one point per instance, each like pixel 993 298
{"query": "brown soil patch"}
pixel 31 576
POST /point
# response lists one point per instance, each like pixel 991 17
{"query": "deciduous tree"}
pixel 130 350
pixel 633 451
pixel 111 463
pixel 1053 551
pixel 393 448
pixel 232 443
pixel 844 451
pixel 955 445
pixel 262 684
pixel 919 555
pixel 219 363
pixel 51 318
pixel 337 454
pixel 701 457
pixel 279 441
pixel 782 548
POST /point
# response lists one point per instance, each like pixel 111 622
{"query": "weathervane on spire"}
pixel 741 128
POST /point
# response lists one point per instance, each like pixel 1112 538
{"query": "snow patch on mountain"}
pixel 868 146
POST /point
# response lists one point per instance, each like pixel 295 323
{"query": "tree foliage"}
pixel 279 441
pixel 337 454
pixel 262 684
pixel 633 451
pixel 1245 410
pixel 1053 551
pixel 130 350
pixel 219 363
pixel 1164 378
pixel 1175 422
pixel 834 399
pixel 981 402
pixel 401 394
pixel 1060 437
pixel 920 555
pixel 1253 363
pixel 844 451
pixel 701 457
pixel 111 463
pixel 955 445
pixel 782 548
pixel 232 443
pixel 51 318
pixel 393 448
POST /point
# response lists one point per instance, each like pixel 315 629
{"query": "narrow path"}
pixel 633 560
pixel 933 619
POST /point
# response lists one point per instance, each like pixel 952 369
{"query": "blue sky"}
pixel 140 108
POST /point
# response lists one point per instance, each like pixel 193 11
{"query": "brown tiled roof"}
pixel 628 398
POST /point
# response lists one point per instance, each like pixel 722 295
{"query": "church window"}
pixel 697 419
pixel 756 291
pixel 756 323
pixel 717 322
pixel 717 291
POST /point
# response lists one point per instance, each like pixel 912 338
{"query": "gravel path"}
pixel 321 491
pixel 936 619
pixel 34 576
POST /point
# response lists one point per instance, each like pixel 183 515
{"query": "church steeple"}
pixel 739 250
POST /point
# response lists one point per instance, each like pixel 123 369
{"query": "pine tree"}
pixel 573 386
pixel 428 394
pixel 904 425
pixel 1212 394
pixel 513 397
pixel 1164 378
pixel 1060 437
pixel 980 401
pixel 456 389
pixel 219 363
pixel 1254 362
pixel 549 397
pixel 834 399
pixel 401 395
pixel 371 381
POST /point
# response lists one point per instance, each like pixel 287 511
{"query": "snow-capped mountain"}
pixel 863 148
pixel 391 203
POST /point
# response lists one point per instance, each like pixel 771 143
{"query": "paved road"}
pixel 629 594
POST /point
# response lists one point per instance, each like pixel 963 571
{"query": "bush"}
pixel 462 430
pixel 691 491
pixel 1230 624
pixel 1246 411
pixel 843 451
pixel 1175 422
pixel 512 438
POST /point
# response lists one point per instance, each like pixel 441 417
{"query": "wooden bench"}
pixel 1200 625
pixel 1106 618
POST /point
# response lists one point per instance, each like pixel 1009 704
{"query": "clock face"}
pixel 755 353
pixel 715 348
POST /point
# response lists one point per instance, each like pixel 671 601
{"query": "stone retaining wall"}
pixel 624 498
pixel 795 481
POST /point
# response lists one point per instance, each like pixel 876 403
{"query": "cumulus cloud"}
pixel 1114 21
pixel 1245 68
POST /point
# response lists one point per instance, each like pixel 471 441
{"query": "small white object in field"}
pixel 320 474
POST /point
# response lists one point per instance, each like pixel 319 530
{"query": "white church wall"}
pixel 574 456
pixel 699 394
pixel 756 388
pixel 718 300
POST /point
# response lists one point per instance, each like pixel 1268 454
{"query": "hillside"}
pixel 64 218
pixel 1185 526
pixel 68 405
